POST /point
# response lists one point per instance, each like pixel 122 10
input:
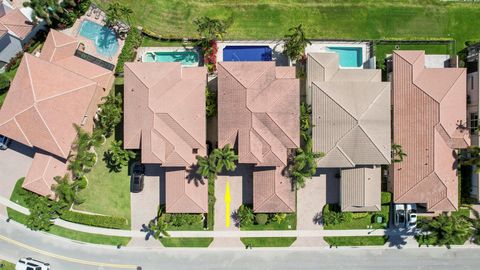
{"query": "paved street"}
pixel 66 254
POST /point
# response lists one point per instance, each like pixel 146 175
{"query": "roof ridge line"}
pixel 387 158
pixel 49 131
pixel 67 92
pixel 175 120
pixel 21 130
pixel 454 82
pixel 344 154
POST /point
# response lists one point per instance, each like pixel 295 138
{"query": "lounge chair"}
pixel 89 12
pixel 97 14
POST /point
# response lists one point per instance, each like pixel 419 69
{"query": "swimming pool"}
pixel 349 56
pixel 104 38
pixel 187 58
pixel 247 53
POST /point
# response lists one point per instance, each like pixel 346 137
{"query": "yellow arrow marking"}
pixel 228 199
pixel 60 257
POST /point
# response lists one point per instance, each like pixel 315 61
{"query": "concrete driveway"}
pixel 145 204
pixel 321 189
pixel 14 164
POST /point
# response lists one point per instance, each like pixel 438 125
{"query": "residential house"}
pixel 16 29
pixel 165 118
pixel 429 122
pixel 48 96
pixel 258 114
pixel 351 126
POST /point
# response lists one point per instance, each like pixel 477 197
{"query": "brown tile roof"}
pixel 17 23
pixel 165 112
pixel 429 109
pixel 40 176
pixel 184 194
pixel 258 107
pixel 272 192
pixel 360 189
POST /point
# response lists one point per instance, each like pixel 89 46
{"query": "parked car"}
pixel 411 210
pixel 138 173
pixel 4 142
pixel 31 264
pixel 399 215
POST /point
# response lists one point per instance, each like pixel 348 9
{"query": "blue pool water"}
pixel 349 56
pixel 247 53
pixel 187 58
pixel 104 38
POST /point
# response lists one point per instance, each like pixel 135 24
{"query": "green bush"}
pixel 333 216
pixel 95 220
pixel 386 197
pixel 360 215
pixel 179 220
pixel 132 42
pixel 261 219
pixel 245 215
pixel 4 81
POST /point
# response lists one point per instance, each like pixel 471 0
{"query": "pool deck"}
pixel 321 46
pixel 275 45
pixel 90 47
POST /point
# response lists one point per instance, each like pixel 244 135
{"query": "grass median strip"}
pixel 4 265
pixel 356 240
pixel 186 242
pixel 74 235
pixel 268 241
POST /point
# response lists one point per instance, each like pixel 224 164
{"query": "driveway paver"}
pixel 145 204
pixel 235 183
pixel 318 191
pixel 14 164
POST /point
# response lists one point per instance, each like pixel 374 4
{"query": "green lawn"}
pixel 107 193
pixel 349 19
pixel 7 265
pixel 291 221
pixel 151 42
pixel 268 241
pixel 74 235
pixel 186 242
pixel 356 240
pixel 364 222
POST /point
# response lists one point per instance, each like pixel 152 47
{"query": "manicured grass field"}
pixel 151 42
pixel 7 265
pixel 74 235
pixel 186 242
pixel 291 221
pixel 364 222
pixel 356 240
pixel 349 19
pixel 268 241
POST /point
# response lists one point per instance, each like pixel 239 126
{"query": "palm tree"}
pixel 295 43
pixel 210 29
pixel 48 10
pixel 116 157
pixel 66 191
pixel 207 167
pixel 126 13
pixel 471 157
pixel 110 113
pixel 211 102
pixel 225 158
pixel 445 230
pixel 304 164
pixel 158 226
pixel 475 226
pixel 397 153
pixel 305 122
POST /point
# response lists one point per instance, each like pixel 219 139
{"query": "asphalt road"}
pixel 16 241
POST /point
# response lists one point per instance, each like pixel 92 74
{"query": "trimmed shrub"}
pixel 132 42
pixel 179 220
pixel 245 215
pixel 95 220
pixel 4 82
pixel 360 215
pixel 386 197
pixel 261 219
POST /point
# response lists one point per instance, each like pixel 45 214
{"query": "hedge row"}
pixel 132 42
pixel 95 220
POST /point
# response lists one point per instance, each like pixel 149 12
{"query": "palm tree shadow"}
pixel 397 239
pixel 235 218
pixel 192 175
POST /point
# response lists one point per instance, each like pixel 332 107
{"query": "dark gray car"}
pixel 138 174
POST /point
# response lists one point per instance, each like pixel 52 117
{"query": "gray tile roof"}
pixel 360 189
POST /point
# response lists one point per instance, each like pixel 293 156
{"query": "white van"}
pixel 31 264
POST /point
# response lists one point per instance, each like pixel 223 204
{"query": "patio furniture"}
pixel 90 10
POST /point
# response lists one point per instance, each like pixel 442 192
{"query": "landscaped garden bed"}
pixel 350 221
pixel 268 241
pixel 356 240
pixel 250 221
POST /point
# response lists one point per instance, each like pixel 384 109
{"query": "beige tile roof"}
pixel 360 189
pixel 185 194
pixel 350 113
pixel 17 23
pixel 258 108
pixel 429 112
pixel 165 112
pixel 40 176
pixel 272 192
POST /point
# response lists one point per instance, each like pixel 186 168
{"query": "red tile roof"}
pixel 429 111
pixel 272 192
pixel 17 23
pixel 40 176
pixel 184 194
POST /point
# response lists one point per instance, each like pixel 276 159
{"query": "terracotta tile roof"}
pixel 58 46
pixel 165 112
pixel 184 194
pixel 258 108
pixel 429 111
pixel 16 22
pixel 350 113
pixel 40 176
pixel 360 189
pixel 272 192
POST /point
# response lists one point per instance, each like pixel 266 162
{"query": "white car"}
pixel 4 142
pixel 399 215
pixel 31 264
pixel 411 215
